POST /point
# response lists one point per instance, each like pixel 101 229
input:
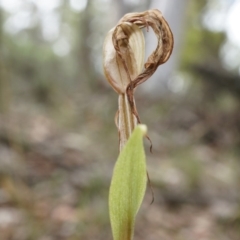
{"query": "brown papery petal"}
pixel 161 54
pixel 124 61
pixel 129 47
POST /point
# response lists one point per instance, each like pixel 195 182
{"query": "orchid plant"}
pixel 124 68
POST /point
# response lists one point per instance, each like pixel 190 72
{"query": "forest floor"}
pixel 54 184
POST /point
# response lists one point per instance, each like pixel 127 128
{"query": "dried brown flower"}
pixel 124 66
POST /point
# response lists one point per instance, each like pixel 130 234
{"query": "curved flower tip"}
pixel 124 49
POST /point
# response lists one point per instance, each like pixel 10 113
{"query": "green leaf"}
pixel 128 186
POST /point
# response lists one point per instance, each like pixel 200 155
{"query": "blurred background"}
pixel 58 140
